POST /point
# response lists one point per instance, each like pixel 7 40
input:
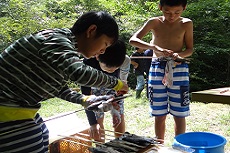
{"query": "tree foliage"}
pixel 211 60
pixel 210 65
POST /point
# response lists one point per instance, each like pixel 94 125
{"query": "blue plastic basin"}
pixel 200 142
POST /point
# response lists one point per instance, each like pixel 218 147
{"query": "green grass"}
pixel 210 117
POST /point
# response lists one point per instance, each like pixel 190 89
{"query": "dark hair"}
pixel 105 23
pixel 173 2
pixel 136 48
pixel 114 55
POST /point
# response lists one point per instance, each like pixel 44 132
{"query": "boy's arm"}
pixel 188 40
pixel 134 61
pixel 124 69
pixel 136 39
pixel 68 64
pixel 135 64
pixel 148 61
pixel 87 90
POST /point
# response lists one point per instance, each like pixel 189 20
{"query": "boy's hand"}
pixel 162 51
pixel 167 52
pixel 95 132
pixel 101 106
pixel 95 101
pixel 105 106
pixel 124 89
pixel 176 56
pixel 135 65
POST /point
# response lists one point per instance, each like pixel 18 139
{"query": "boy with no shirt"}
pixel 172 38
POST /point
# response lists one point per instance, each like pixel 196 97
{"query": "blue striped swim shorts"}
pixel 174 99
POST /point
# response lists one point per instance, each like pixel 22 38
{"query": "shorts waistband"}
pixel 166 59
pixel 16 113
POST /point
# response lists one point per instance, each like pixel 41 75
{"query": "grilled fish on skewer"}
pixel 143 141
pixel 117 143
pixel 130 144
pixel 103 149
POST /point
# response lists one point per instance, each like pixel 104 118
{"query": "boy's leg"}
pixel 160 128
pixel 140 85
pixel 179 97
pixel 180 125
pixel 147 88
pixel 100 121
pixel 179 107
pixel 120 129
pixel 158 98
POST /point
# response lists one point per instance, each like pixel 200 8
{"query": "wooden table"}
pixel 218 95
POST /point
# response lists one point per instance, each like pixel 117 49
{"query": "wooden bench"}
pixel 218 95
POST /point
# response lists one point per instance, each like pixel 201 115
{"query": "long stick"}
pixel 121 97
pixel 28 126
pixel 150 57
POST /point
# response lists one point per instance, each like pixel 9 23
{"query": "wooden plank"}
pixel 66 125
pixel 218 95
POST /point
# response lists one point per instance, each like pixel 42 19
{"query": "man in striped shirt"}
pixel 37 67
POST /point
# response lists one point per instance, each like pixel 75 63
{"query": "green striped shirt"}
pixel 37 67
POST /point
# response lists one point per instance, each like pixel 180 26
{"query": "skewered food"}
pixel 139 140
pixel 127 143
pixel 103 149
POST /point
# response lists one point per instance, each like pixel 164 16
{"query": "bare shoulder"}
pixel 155 19
pixel 186 21
pixel 153 22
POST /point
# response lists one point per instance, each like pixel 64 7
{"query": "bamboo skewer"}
pixel 112 131
pixel 123 133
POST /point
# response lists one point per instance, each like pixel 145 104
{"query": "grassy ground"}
pixel 210 117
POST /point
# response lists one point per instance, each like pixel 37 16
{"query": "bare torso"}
pixel 169 35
